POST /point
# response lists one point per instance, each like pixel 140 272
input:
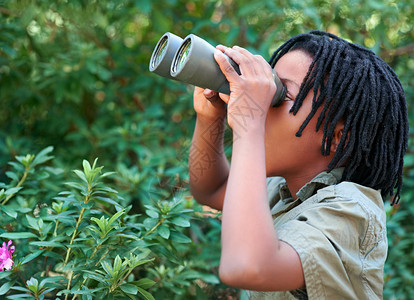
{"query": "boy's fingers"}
pixel 225 66
pixel 221 48
pixel 224 97
pixel 210 95
pixel 243 58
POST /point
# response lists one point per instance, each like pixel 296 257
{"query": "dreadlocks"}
pixel 353 84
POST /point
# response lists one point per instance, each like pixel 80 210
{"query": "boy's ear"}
pixel 339 129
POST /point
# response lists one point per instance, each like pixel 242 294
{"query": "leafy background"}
pixel 75 86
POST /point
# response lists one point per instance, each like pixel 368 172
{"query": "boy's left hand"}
pixel 250 93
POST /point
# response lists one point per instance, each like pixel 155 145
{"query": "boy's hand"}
pixel 251 92
pixel 208 105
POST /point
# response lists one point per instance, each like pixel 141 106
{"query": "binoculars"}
pixel 191 60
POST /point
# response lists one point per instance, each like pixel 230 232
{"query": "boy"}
pixel 323 160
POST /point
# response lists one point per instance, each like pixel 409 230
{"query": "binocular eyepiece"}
pixel 191 60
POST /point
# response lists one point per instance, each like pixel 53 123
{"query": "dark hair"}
pixel 357 86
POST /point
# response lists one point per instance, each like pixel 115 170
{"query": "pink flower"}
pixel 6 261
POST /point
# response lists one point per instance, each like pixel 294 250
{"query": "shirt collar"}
pixel 321 180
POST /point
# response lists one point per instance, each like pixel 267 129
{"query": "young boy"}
pixel 302 209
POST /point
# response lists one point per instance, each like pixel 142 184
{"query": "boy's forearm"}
pixel 248 236
pixel 208 166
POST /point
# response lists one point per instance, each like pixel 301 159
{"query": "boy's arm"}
pixel 252 256
pixel 208 166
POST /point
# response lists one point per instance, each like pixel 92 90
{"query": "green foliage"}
pixel 74 75
pixel 83 243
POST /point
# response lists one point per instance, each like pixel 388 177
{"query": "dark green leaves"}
pixel 17 235
pixel 94 246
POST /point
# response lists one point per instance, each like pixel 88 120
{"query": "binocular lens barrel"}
pixel 163 54
pixel 184 50
pixel 192 61
pixel 160 52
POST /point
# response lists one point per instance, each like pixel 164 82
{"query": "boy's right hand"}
pixel 208 105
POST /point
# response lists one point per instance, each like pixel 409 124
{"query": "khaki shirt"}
pixel 339 232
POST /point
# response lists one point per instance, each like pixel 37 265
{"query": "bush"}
pixel 83 243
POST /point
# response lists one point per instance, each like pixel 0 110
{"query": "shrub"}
pixel 82 243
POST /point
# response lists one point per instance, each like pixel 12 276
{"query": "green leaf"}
pixel 81 175
pixel 5 287
pixel 116 216
pixel 106 174
pixel 25 160
pixel 149 223
pixel 100 222
pixel 86 166
pixel 164 231
pixel 32 222
pixel 145 294
pixel 129 288
pixel 33 284
pixel 45 291
pixel 9 211
pixel 152 214
pixel 53 279
pixel 127 236
pixel 209 278
pixel 20 288
pixel 12 191
pixel 20 296
pixel 12 176
pixel 31 256
pixel 104 74
pixel 84 291
pixel 180 221
pixel 93 275
pixel 179 237
pixel 17 235
pixel 8 50
pixel 47 244
pixel 54 255
pixel 91 172
pixel 42 156
pixel 109 201
pixel 144 283
pixel 4 274
pixel 108 269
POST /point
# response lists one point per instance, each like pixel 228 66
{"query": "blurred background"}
pixel 74 75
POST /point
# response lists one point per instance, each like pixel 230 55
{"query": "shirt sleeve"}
pixel 338 242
